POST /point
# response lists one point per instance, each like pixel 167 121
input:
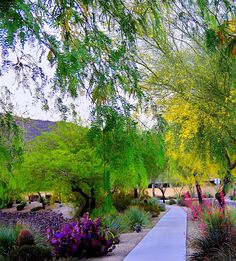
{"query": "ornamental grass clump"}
pixel 216 233
pixel 84 238
pixel 8 238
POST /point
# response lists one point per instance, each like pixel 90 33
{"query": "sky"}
pixel 25 105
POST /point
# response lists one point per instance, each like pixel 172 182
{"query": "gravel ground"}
pixel 192 227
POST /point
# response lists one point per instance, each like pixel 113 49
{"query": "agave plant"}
pixel 136 216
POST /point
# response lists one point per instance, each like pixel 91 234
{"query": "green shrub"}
pixel 9 204
pixel 181 201
pixel 153 210
pixel 150 205
pixel 8 237
pixel 162 206
pixel 99 213
pixel 207 195
pixel 36 209
pixel 143 195
pixel 154 201
pixel 233 197
pixel 171 202
pixel 136 216
pixel 31 253
pixel 121 201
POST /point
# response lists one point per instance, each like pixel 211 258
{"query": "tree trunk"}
pixel 135 193
pixel 223 189
pixel 107 187
pixel 41 200
pixel 163 194
pixel 85 207
pixel 153 190
pixel 220 195
pixel 199 193
pixel 227 180
pixel 87 200
pixel 92 200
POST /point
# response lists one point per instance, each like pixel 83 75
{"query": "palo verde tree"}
pixel 63 161
pixel 195 142
pixel 190 64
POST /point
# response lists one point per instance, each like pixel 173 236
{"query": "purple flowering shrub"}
pixel 82 238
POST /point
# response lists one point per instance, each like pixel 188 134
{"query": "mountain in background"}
pixel 33 128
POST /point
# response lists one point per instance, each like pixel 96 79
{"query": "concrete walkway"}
pixel 166 241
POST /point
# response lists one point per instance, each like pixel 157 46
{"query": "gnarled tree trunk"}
pixel 41 200
pixel 153 189
pixel 199 193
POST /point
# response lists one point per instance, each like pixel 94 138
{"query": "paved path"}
pixel 231 203
pixel 166 241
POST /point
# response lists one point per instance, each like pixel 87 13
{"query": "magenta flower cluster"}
pixel 84 238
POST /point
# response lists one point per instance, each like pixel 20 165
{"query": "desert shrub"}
pixel 153 210
pixel 83 238
pixel 25 238
pixel 162 206
pixel 143 195
pixel 99 213
pixel 121 201
pixel 207 195
pixel 21 206
pixel 136 216
pixel 171 202
pixel 181 201
pixel 217 218
pixel 9 204
pixel 36 209
pixel 149 205
pixel 18 200
pixel 8 237
pixel 216 238
pixel 215 245
pixel 233 197
pixel 31 253
pixel 154 201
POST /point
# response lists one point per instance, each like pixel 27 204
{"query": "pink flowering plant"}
pixel 215 237
pixel 83 238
